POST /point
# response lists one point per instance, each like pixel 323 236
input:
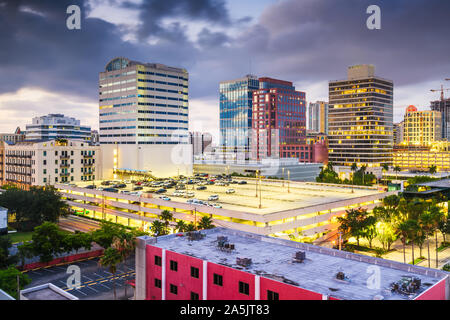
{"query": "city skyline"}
pixel 230 38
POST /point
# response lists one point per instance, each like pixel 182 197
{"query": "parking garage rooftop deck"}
pixel 273 258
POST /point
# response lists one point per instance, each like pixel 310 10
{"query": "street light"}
pixel 260 185
pixel 289 174
pixel 282 175
pixel 256 183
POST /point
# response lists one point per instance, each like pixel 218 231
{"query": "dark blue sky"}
pixel 44 67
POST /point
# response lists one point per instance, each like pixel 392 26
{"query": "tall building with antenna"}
pixel 443 105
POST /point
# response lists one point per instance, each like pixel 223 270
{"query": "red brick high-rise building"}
pixel 279 122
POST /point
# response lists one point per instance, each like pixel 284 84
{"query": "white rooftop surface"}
pixel 316 273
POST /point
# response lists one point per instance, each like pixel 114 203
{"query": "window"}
pixel 173 289
pixel 194 296
pixel 195 272
pixel 45 153
pixel 244 288
pixel 218 279
pixel 71 152
pixel 271 295
pixel 173 265
pixel 158 261
pixel 45 171
pixel 158 283
pixel 45 162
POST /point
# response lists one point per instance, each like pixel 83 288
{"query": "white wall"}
pixel 161 160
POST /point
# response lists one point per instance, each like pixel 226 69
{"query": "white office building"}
pixel 55 126
pixel 143 111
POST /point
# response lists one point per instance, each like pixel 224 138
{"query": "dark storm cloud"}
pixel 39 51
pixel 207 38
pixel 297 40
pixel 318 39
pixel 152 13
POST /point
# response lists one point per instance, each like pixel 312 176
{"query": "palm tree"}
pixel 166 216
pixel 412 234
pixel 363 172
pixel 403 232
pixel 432 169
pixel 427 226
pixel 354 167
pixel 397 169
pixel 205 223
pixel 437 215
pixel 158 228
pixel 181 226
pixel 111 258
pixel 384 168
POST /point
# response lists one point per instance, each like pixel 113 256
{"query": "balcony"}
pixel 64 165
pixel 64 157
pixel 88 155
pixel 64 174
pixel 88 164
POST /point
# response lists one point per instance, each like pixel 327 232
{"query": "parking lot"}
pixel 247 196
pixel 96 281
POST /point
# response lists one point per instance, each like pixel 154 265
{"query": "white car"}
pixel 165 198
pixel 136 193
pixel 218 206
pixel 125 192
pixel 230 191
pixel 213 197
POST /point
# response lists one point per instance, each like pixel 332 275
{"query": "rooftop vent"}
pixel 340 276
pixel 406 285
pixel 194 235
pixel 224 245
pixel 299 256
pixel 245 262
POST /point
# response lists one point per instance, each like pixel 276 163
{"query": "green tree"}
pixel 181 226
pixel 427 223
pixel 158 228
pixel 166 216
pixel 48 241
pixel 35 206
pixel 190 227
pixel 397 169
pixel 402 232
pixel 369 230
pixel 386 234
pixel 432 169
pixel 353 168
pixel 205 223
pixel 8 281
pixel 110 259
pixel 6 259
pixel 354 222
pixel 444 227
pixel 384 168
pixel 104 236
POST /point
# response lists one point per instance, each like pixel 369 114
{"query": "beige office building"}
pixel 48 162
pixel 360 119
pixel 421 128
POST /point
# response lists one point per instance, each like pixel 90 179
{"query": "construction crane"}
pixel 441 90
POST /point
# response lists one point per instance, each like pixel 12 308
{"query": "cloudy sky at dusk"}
pixel 46 68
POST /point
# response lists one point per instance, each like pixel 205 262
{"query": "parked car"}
pixel 230 191
pixel 217 206
pixel 213 197
pixel 201 188
pixel 105 183
pixel 165 198
pixel 120 186
pixel 91 186
pixel 137 188
pixel 162 190
pixel 125 192
pixel 180 187
pixel 189 195
pixel 242 182
pixel 111 190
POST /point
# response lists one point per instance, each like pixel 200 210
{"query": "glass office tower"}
pixel 236 115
